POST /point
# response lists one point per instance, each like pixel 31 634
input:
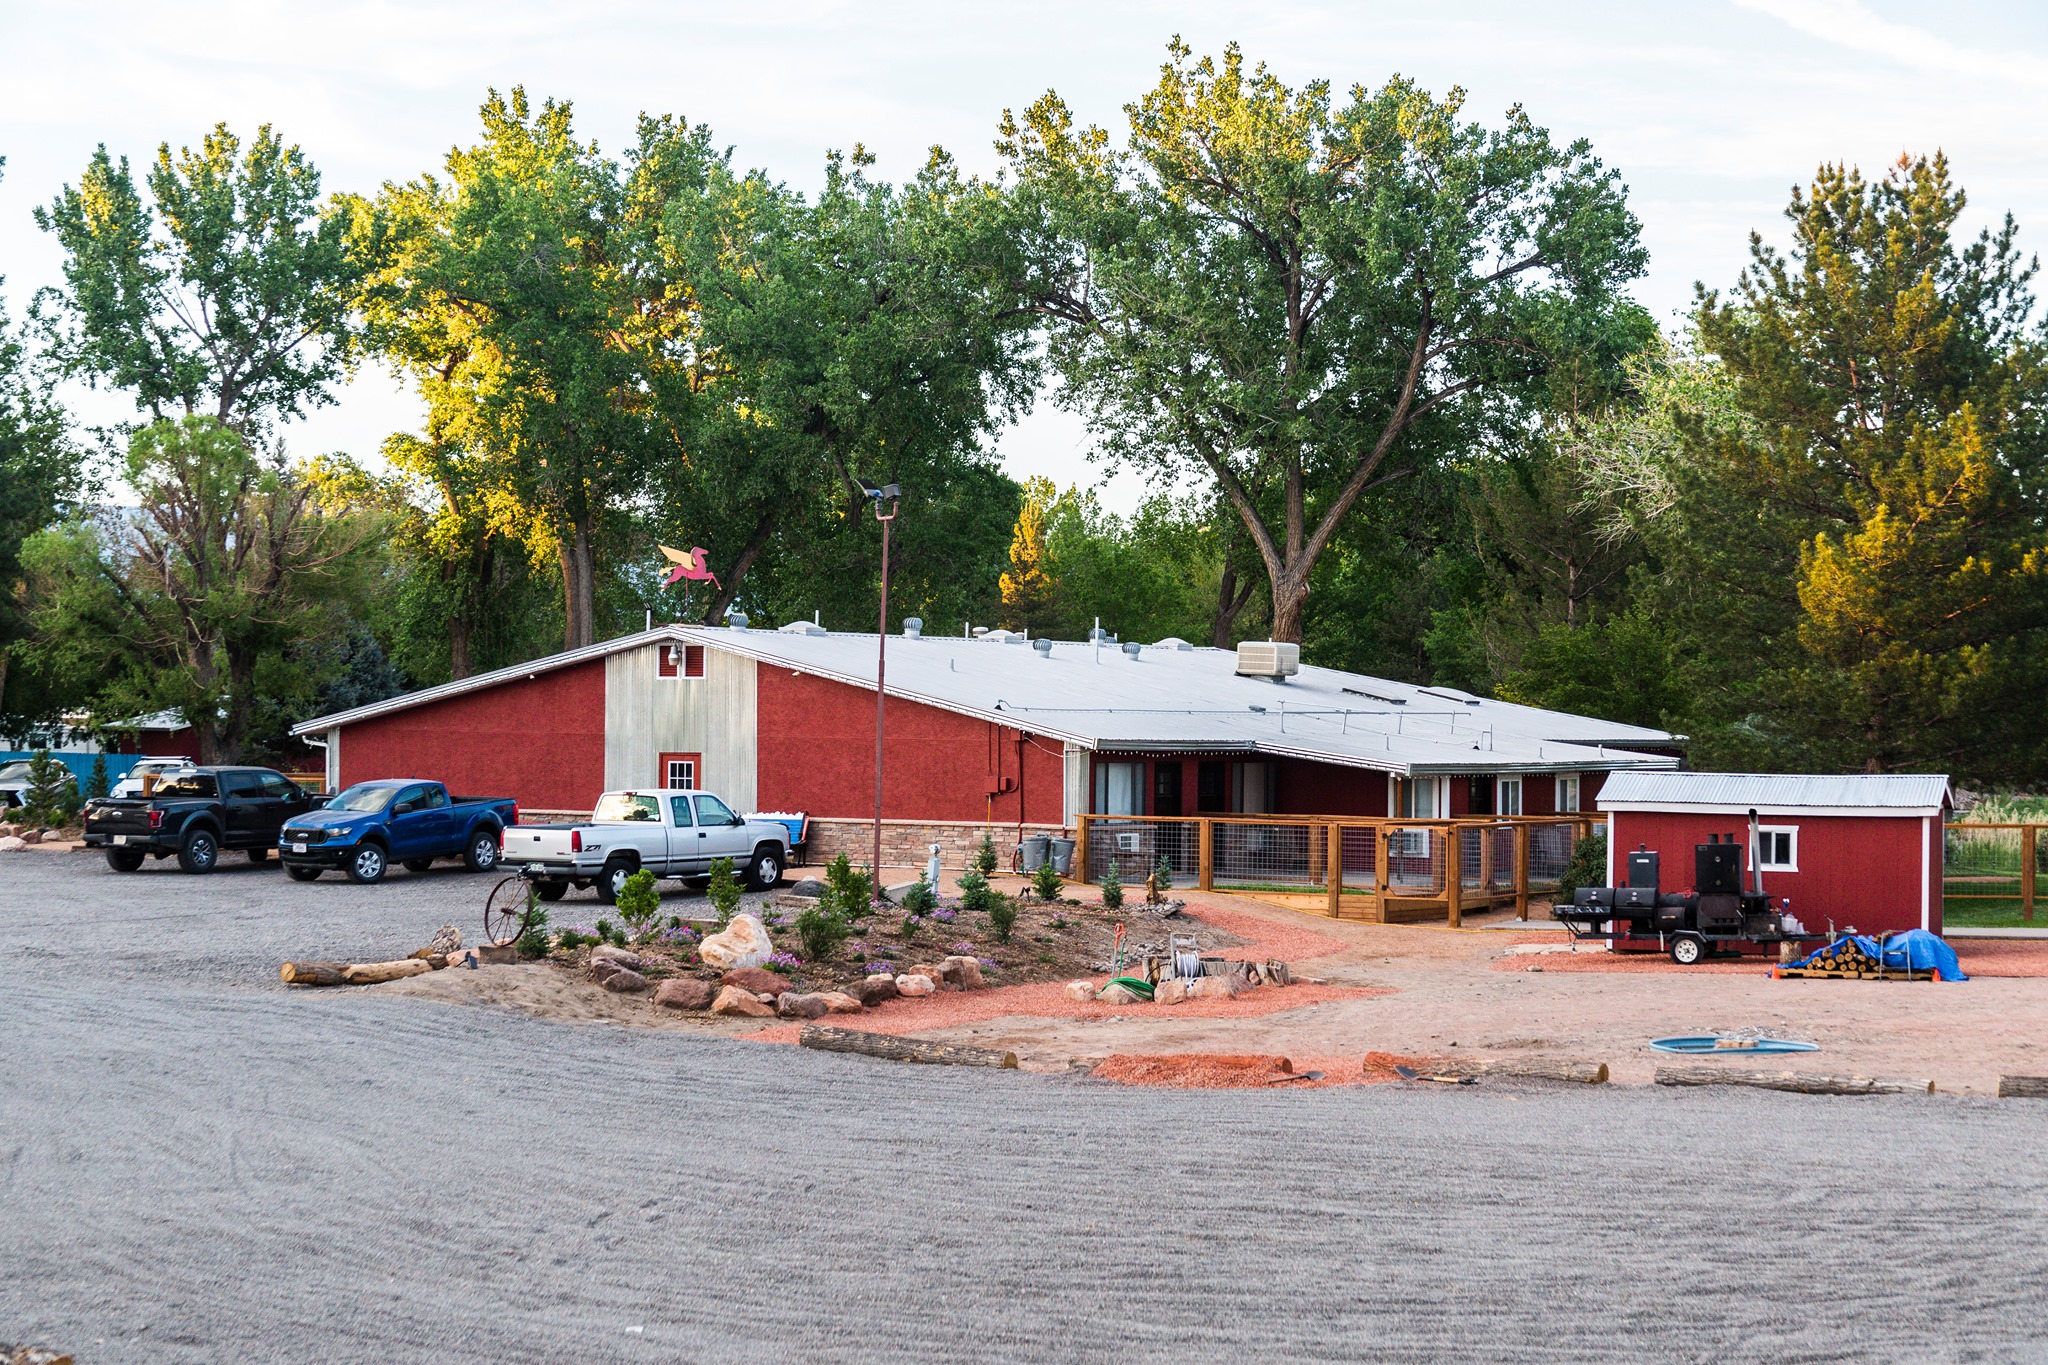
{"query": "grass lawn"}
pixel 1994 912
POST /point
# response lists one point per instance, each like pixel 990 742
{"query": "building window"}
pixel 1119 789
pixel 679 661
pixel 1254 793
pixel 678 772
pixel 1508 796
pixel 1567 792
pixel 1415 798
pixel 1777 848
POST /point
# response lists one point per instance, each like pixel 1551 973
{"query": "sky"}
pixel 1712 110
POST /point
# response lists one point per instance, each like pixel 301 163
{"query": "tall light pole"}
pixel 893 495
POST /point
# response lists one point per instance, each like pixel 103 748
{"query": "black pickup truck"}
pixel 194 815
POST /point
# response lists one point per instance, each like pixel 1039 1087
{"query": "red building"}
pixel 1861 851
pixel 994 729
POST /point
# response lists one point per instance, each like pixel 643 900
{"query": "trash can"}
pixel 1061 852
pixel 1033 852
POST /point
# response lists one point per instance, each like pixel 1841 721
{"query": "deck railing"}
pixel 1989 873
pixel 1380 870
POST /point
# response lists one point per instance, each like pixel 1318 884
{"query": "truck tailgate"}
pixel 537 844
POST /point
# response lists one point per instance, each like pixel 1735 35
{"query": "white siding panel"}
pixel 715 715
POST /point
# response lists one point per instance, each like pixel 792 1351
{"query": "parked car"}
pixel 158 768
pixel 405 820
pixel 670 833
pixel 194 815
pixel 14 783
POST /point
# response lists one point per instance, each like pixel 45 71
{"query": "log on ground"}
pixel 2023 1087
pixel 1531 1069
pixel 902 1049
pixel 314 973
pixel 370 973
pixel 1791 1080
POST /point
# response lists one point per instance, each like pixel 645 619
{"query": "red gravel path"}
pixel 1215 1071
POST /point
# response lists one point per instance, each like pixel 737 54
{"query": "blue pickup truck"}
pixel 398 820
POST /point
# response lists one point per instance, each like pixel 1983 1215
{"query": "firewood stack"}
pixel 1843 960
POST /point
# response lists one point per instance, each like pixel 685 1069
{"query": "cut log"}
pixel 2023 1087
pixel 314 973
pixel 1791 1080
pixel 902 1049
pixel 1581 1073
pixel 370 973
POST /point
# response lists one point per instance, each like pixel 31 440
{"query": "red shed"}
pixel 1851 850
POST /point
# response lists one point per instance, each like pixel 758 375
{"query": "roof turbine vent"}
pixel 1044 647
pixel 1268 659
pixel 913 627
pixel 1131 648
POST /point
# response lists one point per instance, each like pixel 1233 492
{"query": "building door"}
pixel 1479 795
pixel 1166 788
pixel 678 772
pixel 1212 792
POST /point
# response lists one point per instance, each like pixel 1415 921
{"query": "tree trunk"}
pixel 1290 604
pixel 460 629
pixel 579 588
pixel 902 1049
pixel 1791 1080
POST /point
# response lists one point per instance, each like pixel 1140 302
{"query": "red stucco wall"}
pixel 539 740
pixel 1308 788
pixel 817 754
pixel 1860 870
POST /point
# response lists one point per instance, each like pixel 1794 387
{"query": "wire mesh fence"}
pixel 1985 879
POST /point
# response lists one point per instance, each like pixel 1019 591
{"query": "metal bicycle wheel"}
pixel 508 911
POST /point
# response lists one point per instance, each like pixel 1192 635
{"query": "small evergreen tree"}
pixel 1162 875
pixel 851 891
pixel 985 855
pixel 50 786
pixel 724 891
pixel 1586 867
pixel 639 904
pixel 1112 887
pixel 920 899
pixel 98 784
pixel 1046 883
pixel 1002 917
pixel 975 893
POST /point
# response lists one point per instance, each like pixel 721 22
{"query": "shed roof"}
pixel 1884 793
pixel 1169 698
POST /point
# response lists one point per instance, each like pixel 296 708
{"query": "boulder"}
pixel 603 969
pixel 759 980
pixel 497 954
pixel 914 983
pixel 625 981
pixel 804 1005
pixel 810 888
pixel 839 1002
pixel 1215 988
pixel 874 990
pixel 744 943
pixel 1080 991
pixel 605 952
pixel 33 836
pixel 8 829
pixel 11 843
pixel 1171 991
pixel 961 973
pixel 926 969
pixel 684 993
pixel 446 940
pixel 739 1004
pixel 1117 994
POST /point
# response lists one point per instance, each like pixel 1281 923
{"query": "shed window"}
pixel 1508 796
pixel 1119 789
pixel 678 772
pixel 1777 848
pixel 680 661
pixel 1567 792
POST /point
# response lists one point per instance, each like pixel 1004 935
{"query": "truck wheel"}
pixel 1687 949
pixel 612 881
pixel 124 859
pixel 199 852
pixel 366 865
pixel 766 870
pixel 551 891
pixel 482 853
pixel 418 864
pixel 302 874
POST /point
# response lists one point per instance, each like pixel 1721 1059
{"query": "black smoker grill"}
pixel 1688 925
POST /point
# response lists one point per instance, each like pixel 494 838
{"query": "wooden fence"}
pixel 1989 872
pixel 1378 870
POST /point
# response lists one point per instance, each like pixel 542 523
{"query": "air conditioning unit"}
pixel 1268 659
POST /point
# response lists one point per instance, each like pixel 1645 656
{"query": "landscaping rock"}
pixel 874 990
pixel 496 954
pixel 11 843
pixel 897 892
pixel 839 1002
pixel 1171 991
pixel 1080 991
pixel 9 829
pixel 759 980
pixel 626 981
pixel 446 940
pixel 1117 994
pixel 961 973
pixel 810 888
pixel 744 943
pixel 1215 988
pixel 930 969
pixel 32 836
pixel 602 969
pixel 736 1003
pixel 684 993
pixel 605 952
pixel 807 1005
pixel 913 983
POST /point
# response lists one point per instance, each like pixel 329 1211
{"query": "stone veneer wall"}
pixel 907 843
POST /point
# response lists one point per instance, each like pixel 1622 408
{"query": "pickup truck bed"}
pixel 403 820
pixel 669 833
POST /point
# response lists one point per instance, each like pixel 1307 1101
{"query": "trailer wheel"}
pixel 1687 949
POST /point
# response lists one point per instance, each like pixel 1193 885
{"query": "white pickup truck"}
pixel 670 833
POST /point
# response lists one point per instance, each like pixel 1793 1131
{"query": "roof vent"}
pixel 1043 646
pixel 1099 636
pixel 913 626
pixel 1268 659
pixel 1171 642
pixel 1131 651
pixel 801 628
pixel 998 636
pixel 736 619
pixel 980 631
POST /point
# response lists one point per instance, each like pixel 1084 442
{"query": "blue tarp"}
pixel 1916 948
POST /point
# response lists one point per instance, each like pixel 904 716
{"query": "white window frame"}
pixel 1763 832
pixel 1439 798
pixel 668 777
pixel 1501 787
pixel 1576 788
pixel 1135 770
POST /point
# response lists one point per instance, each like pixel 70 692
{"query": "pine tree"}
pixel 98 784
pixel 1029 587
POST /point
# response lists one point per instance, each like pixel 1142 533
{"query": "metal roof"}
pixel 1169 698
pixel 1920 793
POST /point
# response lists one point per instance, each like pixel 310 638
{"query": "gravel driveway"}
pixel 200 1165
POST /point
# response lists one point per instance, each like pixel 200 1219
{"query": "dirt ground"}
pixel 1424 991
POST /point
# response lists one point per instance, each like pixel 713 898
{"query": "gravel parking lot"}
pixel 201 1165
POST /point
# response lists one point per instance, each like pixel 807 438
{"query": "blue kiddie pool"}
pixel 1710 1045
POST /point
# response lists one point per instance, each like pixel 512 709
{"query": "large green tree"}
pixel 1306 300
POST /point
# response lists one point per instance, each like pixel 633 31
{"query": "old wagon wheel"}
pixel 508 911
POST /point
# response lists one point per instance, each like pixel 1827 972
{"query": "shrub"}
pixel 569 938
pixel 985 856
pixel 603 931
pixel 639 904
pixel 1002 917
pixel 52 796
pixel 911 924
pixel 1112 887
pixel 821 930
pixel 99 784
pixel 1046 883
pixel 851 891
pixel 534 941
pixel 975 894
pixel 920 899
pixel 1162 875
pixel 724 892
pixel 1586 867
